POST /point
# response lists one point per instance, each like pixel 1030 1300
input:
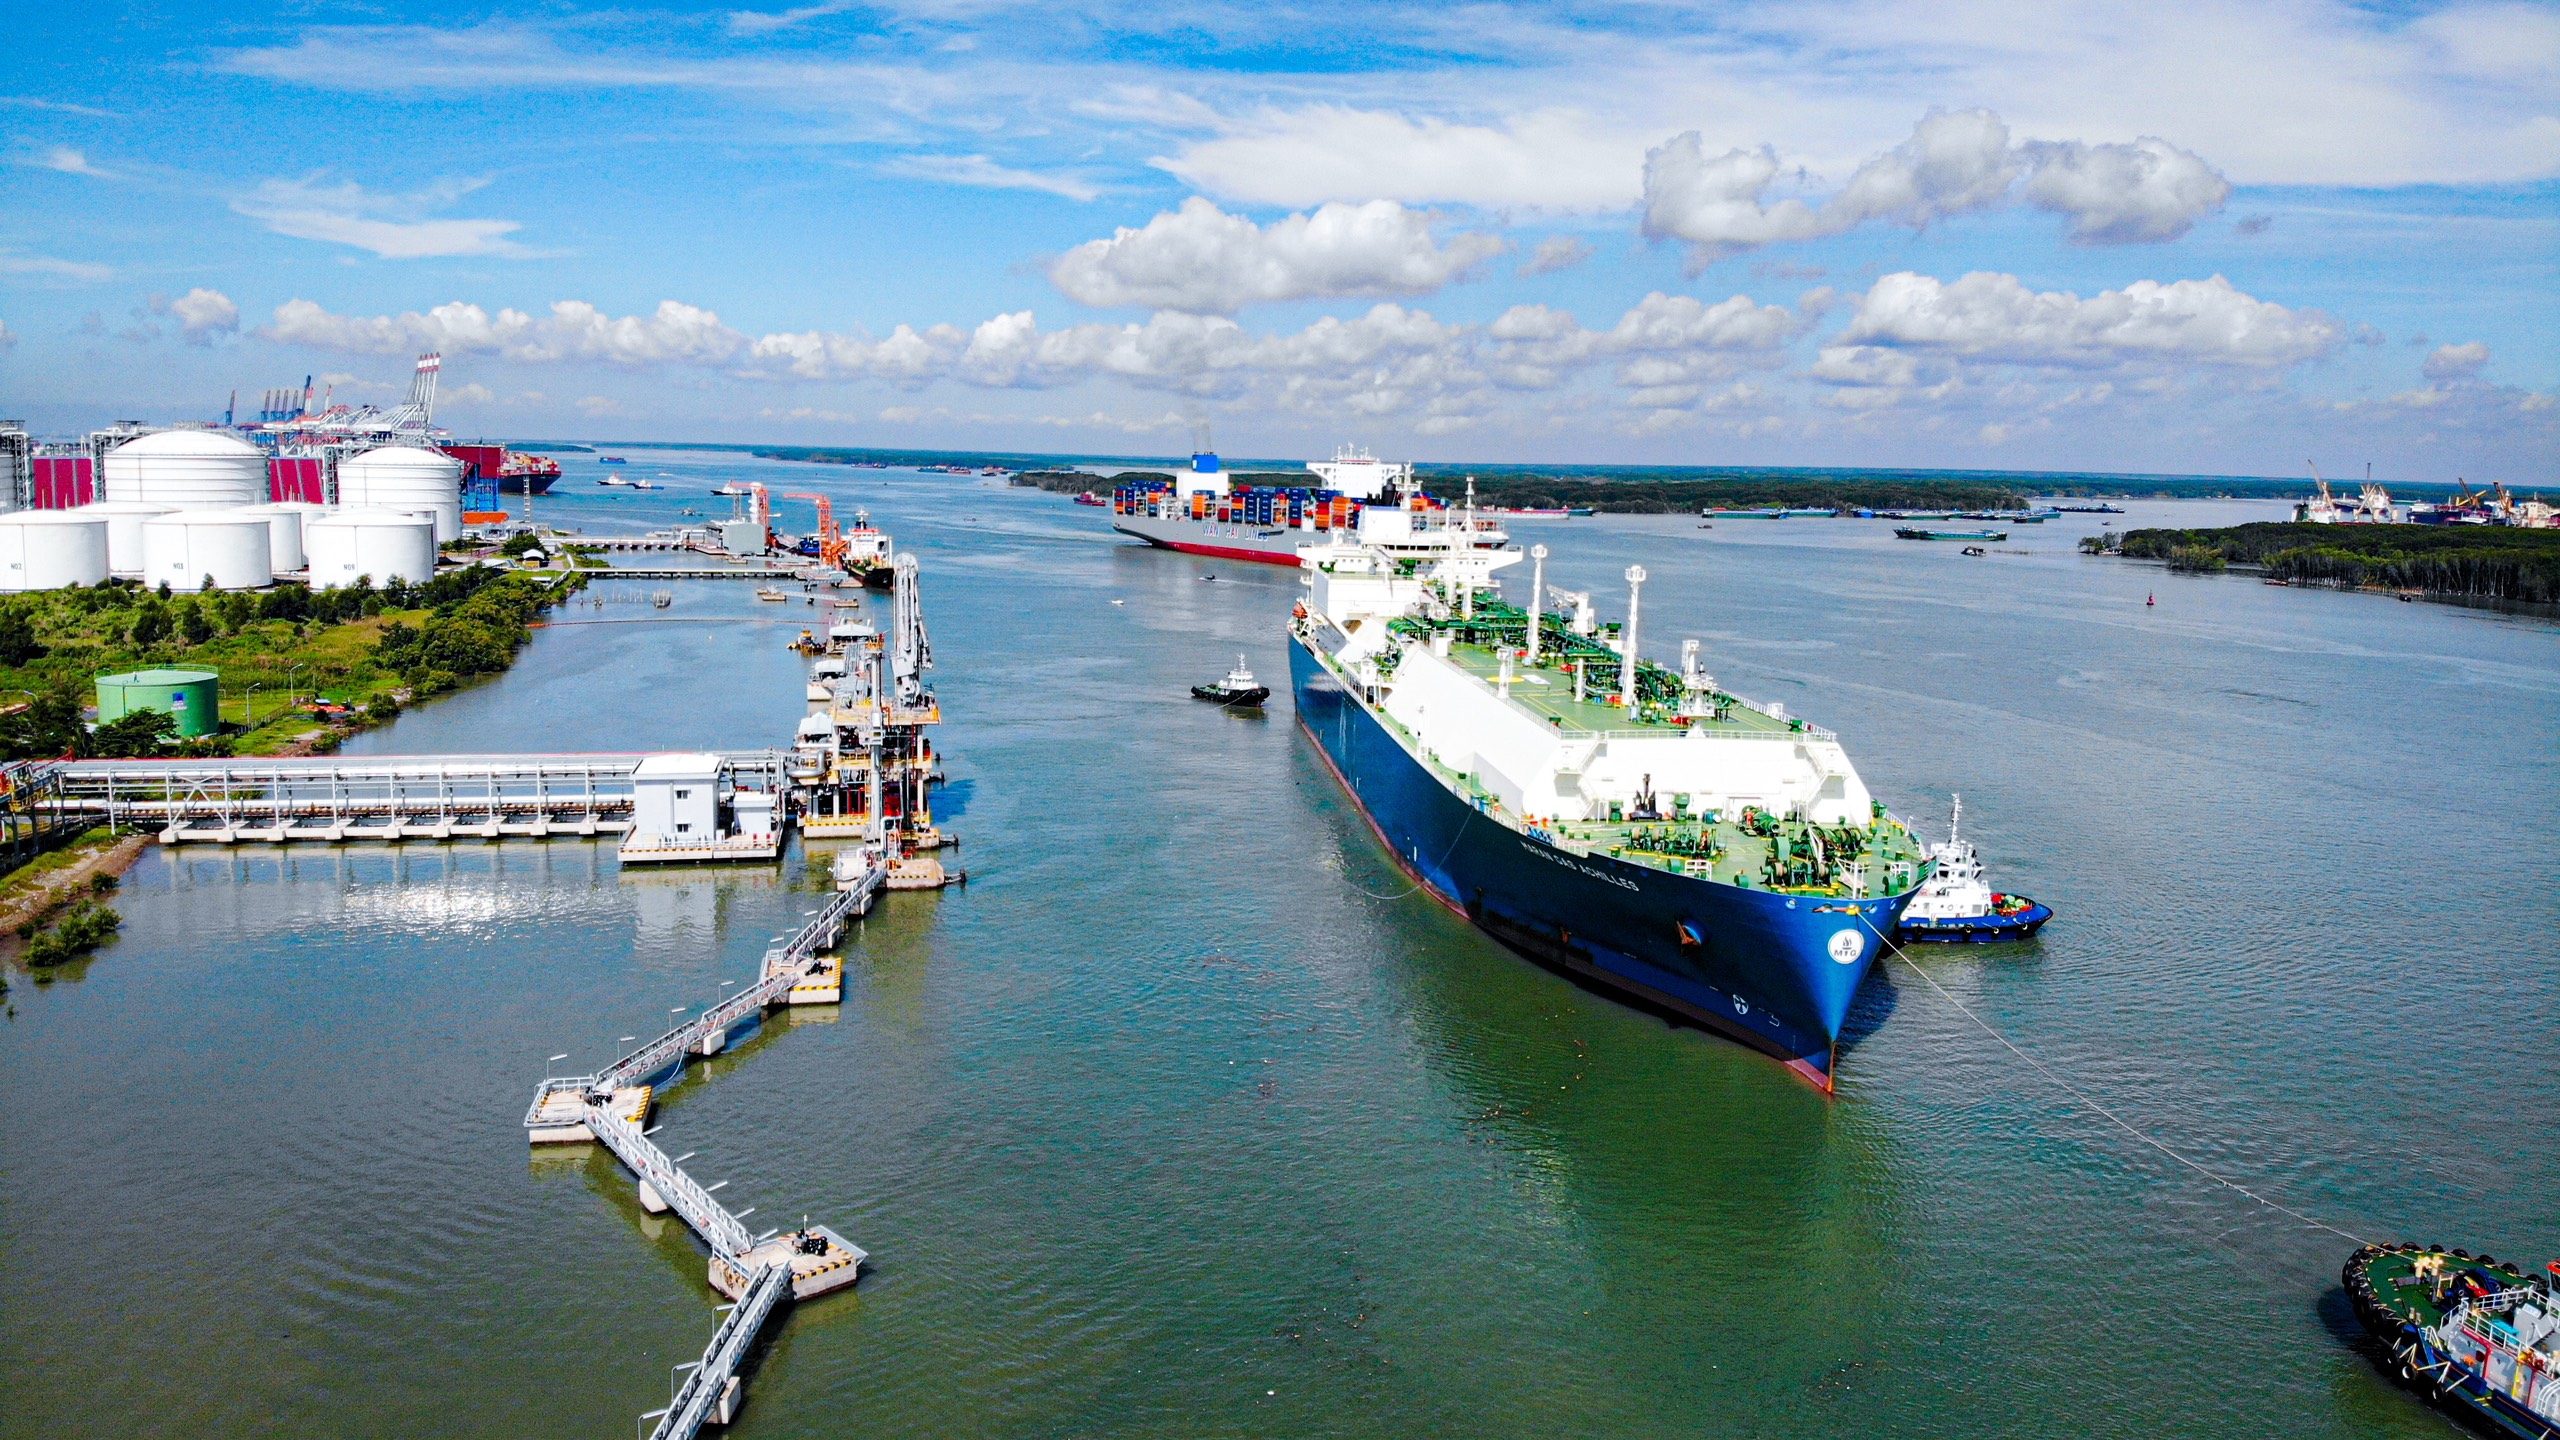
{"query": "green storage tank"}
pixel 193 697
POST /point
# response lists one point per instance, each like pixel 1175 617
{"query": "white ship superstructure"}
pixel 1546 742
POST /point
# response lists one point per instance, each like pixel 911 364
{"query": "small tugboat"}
pixel 1974 550
pixel 1956 904
pixel 1237 692
pixel 2482 1338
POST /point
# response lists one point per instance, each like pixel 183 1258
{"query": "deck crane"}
pixel 830 544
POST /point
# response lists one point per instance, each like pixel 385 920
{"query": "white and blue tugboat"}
pixel 1958 905
pixel 1635 826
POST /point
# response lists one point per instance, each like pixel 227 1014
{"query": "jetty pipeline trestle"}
pixel 756 1271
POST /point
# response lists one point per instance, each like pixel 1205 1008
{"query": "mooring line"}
pixel 1894 949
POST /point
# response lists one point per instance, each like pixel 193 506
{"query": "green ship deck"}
pixel 1750 850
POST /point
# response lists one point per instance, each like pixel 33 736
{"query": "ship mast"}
pixel 1627 641
pixel 1537 596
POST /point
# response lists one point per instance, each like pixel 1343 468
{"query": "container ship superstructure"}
pixel 1636 826
pixel 1200 513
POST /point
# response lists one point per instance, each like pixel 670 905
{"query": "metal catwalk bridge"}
pixel 757 1271
pixel 385 797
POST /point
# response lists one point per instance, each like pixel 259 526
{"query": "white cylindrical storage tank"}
pixel 285 519
pixel 232 546
pixel 386 545
pixel 124 530
pixel 405 477
pixel 186 470
pixel 48 549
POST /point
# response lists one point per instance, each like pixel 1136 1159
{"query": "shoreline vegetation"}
pixel 1657 495
pixel 2056 484
pixel 2492 563
pixel 352 656
pixel 58 907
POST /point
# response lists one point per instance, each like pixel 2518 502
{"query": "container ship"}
pixel 516 472
pixel 1635 826
pixel 1199 513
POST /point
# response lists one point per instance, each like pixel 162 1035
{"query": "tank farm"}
pixel 201 507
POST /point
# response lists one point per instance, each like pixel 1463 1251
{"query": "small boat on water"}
pixel 769 593
pixel 615 482
pixel 1956 904
pixel 733 488
pixel 1914 532
pixel 2480 1338
pixel 1237 692
pixel 611 460
pixel 1089 498
pixel 1975 550
pixel 1577 511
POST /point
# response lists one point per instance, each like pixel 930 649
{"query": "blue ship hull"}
pixel 1776 972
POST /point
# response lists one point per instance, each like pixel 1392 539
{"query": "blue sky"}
pixel 2213 238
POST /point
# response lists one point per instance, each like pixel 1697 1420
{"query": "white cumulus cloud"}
pixel 1995 317
pixel 675 333
pixel 202 315
pixel 906 357
pixel 2123 194
pixel 1954 163
pixel 1201 259
pixel 2456 362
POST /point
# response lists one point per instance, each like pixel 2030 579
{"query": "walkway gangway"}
pixel 756 1271
pixel 785 966
pixel 708 1391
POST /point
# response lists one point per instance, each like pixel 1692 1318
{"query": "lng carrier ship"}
pixel 1634 825
pixel 1201 513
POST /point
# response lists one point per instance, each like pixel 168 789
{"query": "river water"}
pixel 1187 1118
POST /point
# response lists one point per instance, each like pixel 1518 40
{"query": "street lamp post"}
pixel 249 707
pixel 291 692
